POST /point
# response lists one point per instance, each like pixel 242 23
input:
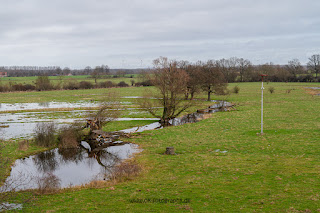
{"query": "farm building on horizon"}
pixel 3 74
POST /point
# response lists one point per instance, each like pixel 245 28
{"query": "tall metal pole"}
pixel 262 88
pixel 262 106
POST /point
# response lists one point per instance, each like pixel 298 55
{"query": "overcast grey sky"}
pixel 131 33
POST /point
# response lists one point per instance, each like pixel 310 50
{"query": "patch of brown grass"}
pixel 23 145
pixel 125 171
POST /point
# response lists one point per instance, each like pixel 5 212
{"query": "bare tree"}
pixel 294 67
pixel 193 83
pixel 212 78
pixel 171 82
pixel 314 64
pixel 43 83
pixel 109 110
pixel 244 67
pixel 87 70
pixel 95 73
pixel 228 68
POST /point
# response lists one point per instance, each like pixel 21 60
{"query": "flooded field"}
pixel 71 167
pixel 22 124
pixel 45 105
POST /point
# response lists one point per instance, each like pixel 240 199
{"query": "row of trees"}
pixel 20 71
pixel 95 72
pixel 242 70
pixel 234 69
pixel 177 82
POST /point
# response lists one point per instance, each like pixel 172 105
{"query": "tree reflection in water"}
pixel 49 161
pixel 69 167
pixel 71 154
pixel 46 161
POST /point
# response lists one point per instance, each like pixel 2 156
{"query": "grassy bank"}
pixel 275 172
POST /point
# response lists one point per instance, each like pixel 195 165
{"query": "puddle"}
pixel 70 167
pixel 313 87
pixel 10 206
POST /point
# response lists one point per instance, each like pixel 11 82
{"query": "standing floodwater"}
pixel 68 167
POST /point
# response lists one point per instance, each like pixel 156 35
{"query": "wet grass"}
pixel 67 95
pixel 275 172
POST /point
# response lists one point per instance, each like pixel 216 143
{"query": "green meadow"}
pixel 222 163
pixel 65 79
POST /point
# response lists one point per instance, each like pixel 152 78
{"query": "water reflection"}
pixel 44 104
pixel 69 166
pixel 46 161
pixel 70 154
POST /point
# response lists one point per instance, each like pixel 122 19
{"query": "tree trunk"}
pixel 186 95
pixel 192 94
pixel 209 93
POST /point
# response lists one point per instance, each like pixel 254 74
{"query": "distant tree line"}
pixel 234 70
pixel 95 72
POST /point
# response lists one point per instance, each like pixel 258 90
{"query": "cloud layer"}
pixel 131 33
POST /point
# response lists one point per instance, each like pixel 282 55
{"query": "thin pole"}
pixel 262 106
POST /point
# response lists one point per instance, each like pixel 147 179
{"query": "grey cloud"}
pixel 126 32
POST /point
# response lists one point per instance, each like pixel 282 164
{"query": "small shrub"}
pixel 28 87
pixel 106 84
pixel 48 184
pixel 221 91
pixel 69 137
pixel 271 89
pixel 235 89
pixel 4 88
pixel 21 87
pixel 44 134
pixel 123 84
pixel 144 83
pixel 85 85
pixel 17 87
pixel 71 85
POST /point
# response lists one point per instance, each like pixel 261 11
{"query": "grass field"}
pixel 275 172
pixel 64 79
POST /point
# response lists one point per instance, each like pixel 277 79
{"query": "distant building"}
pixel 3 74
